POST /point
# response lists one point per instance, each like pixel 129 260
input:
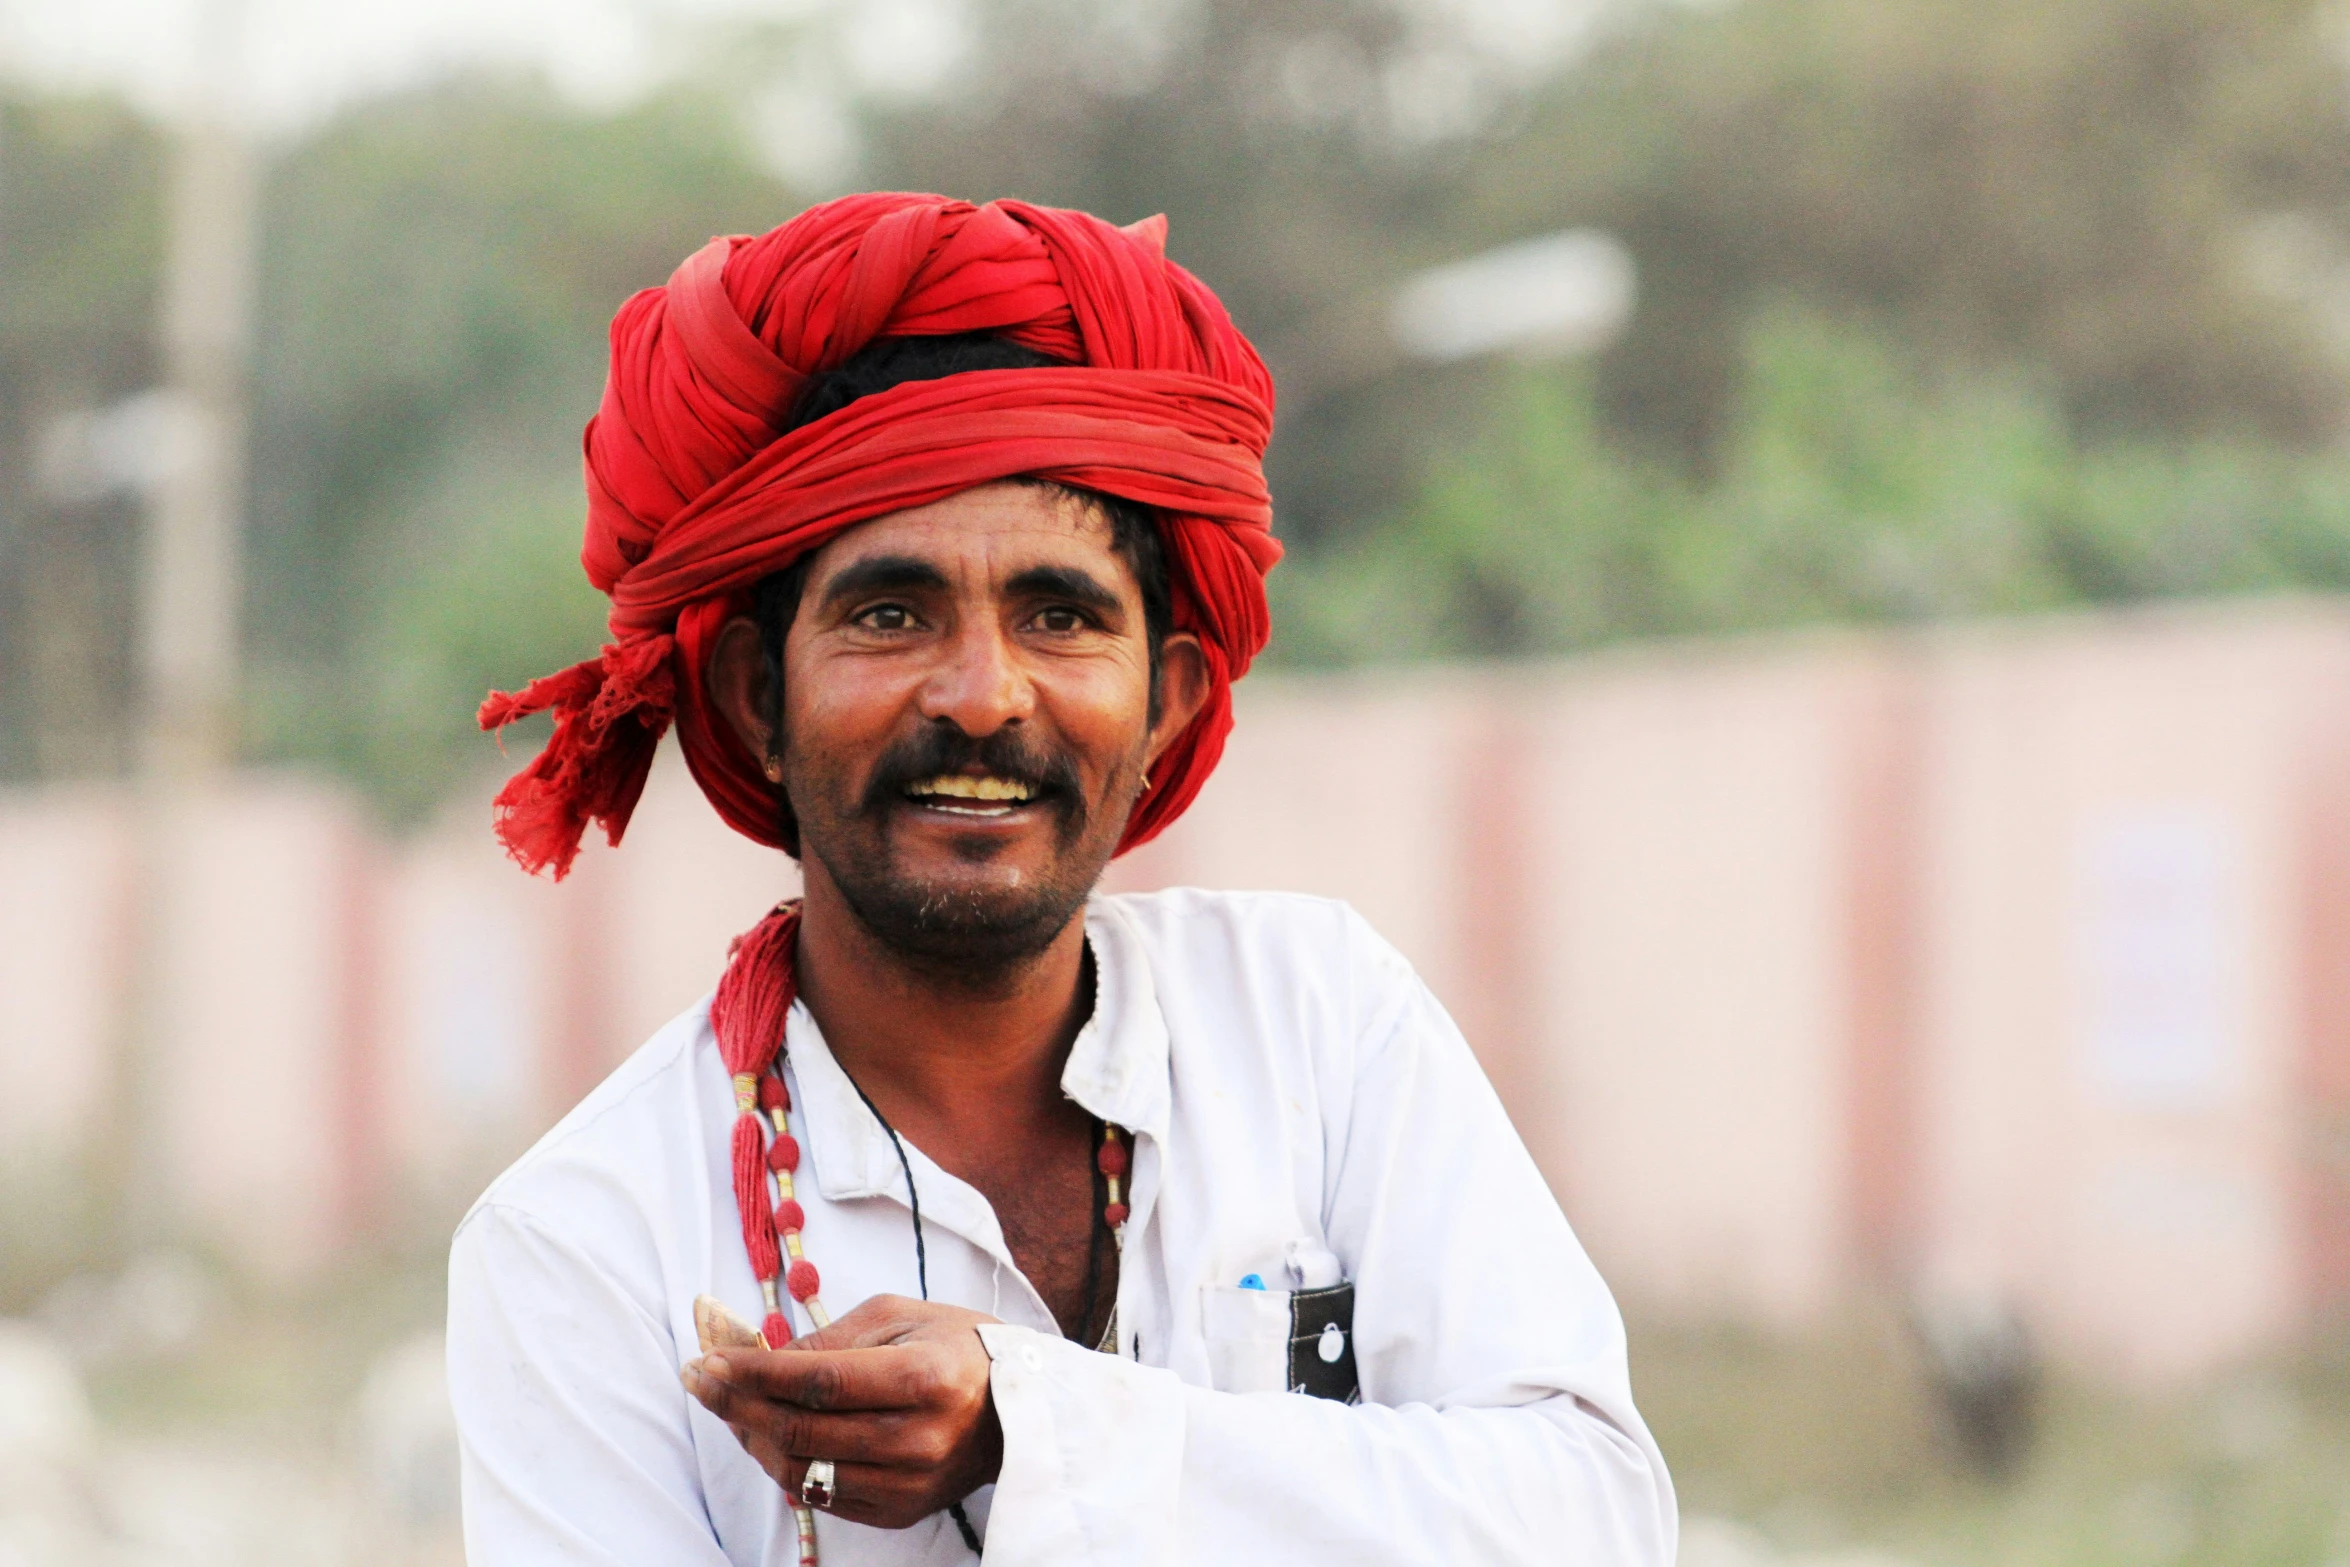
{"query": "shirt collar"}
pixel 1118 1063
pixel 1117 1070
pixel 847 1151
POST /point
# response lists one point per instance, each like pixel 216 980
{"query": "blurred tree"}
pixel 80 231
pixel 2140 198
pixel 441 270
pixel 1943 308
pixel 2095 187
pixel 1852 486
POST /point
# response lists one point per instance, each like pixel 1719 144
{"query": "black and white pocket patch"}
pixel 1322 1344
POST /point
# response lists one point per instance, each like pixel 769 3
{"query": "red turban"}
pixel 693 496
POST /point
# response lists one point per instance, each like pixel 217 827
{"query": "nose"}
pixel 978 684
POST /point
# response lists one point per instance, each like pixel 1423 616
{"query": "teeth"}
pixel 957 786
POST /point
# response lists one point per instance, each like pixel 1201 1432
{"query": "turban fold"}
pixel 694 495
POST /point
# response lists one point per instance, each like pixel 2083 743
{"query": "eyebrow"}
pixel 884 574
pixel 1065 582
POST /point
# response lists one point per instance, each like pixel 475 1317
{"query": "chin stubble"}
pixel 972 938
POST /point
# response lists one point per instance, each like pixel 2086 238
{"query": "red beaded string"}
pixel 748 1015
pixel 1113 1163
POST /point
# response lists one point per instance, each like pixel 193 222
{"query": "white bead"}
pixel 1332 1346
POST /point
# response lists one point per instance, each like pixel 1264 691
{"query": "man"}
pixel 1178 1227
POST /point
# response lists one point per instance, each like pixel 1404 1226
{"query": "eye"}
pixel 885 617
pixel 1061 618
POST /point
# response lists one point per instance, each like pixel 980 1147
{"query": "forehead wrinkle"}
pixel 1000 534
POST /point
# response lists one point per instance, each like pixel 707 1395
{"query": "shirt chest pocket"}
pixel 1281 1341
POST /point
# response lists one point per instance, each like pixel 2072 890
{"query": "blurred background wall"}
pixel 1819 533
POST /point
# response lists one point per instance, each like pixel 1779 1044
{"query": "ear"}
pixel 1183 689
pixel 737 684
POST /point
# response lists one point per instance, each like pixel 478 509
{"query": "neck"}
pixel 940 1052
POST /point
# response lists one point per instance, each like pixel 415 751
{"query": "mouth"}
pixel 981 796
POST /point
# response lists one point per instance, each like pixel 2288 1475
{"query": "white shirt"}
pixel 1295 1096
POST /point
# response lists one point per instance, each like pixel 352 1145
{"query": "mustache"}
pixel 936 748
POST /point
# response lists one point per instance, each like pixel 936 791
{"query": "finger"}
pixel 707 1379
pixel 773 1430
pixel 895 1376
pixel 866 1493
pixel 719 1384
pixel 889 1433
pixel 880 1319
pixel 892 1438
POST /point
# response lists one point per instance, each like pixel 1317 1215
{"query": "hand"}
pixel 895 1394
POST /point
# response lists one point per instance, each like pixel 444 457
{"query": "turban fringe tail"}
pixel 610 713
pixel 693 497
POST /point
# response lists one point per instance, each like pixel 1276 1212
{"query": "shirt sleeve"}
pixel 576 1446
pixel 1497 1424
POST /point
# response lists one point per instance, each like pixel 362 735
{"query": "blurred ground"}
pixel 1832 1450
pixel 305 1430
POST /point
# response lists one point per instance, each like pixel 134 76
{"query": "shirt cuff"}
pixel 1093 1454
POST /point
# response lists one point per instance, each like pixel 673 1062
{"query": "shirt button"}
pixel 1032 1357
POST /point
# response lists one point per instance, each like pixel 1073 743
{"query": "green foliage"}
pixel 1944 309
pixel 441 273
pixel 498 600
pixel 2076 187
pixel 1855 485
pixel 81 183
pixel 80 234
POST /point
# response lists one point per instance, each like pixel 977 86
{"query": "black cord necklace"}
pixel 1093 1257
pixel 921 1268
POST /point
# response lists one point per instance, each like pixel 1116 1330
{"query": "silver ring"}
pixel 816 1484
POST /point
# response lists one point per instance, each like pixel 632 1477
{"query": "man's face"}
pixel 966 719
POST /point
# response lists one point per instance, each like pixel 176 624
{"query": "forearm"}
pixel 1107 1460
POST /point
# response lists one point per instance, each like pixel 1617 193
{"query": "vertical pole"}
pixel 194 574
pixel 1884 928
pixel 1501 870
pixel 2322 1127
pixel 192 578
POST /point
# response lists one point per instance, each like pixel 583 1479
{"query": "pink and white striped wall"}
pixel 2010 959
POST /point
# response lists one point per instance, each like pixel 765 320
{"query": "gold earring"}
pixel 775 769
